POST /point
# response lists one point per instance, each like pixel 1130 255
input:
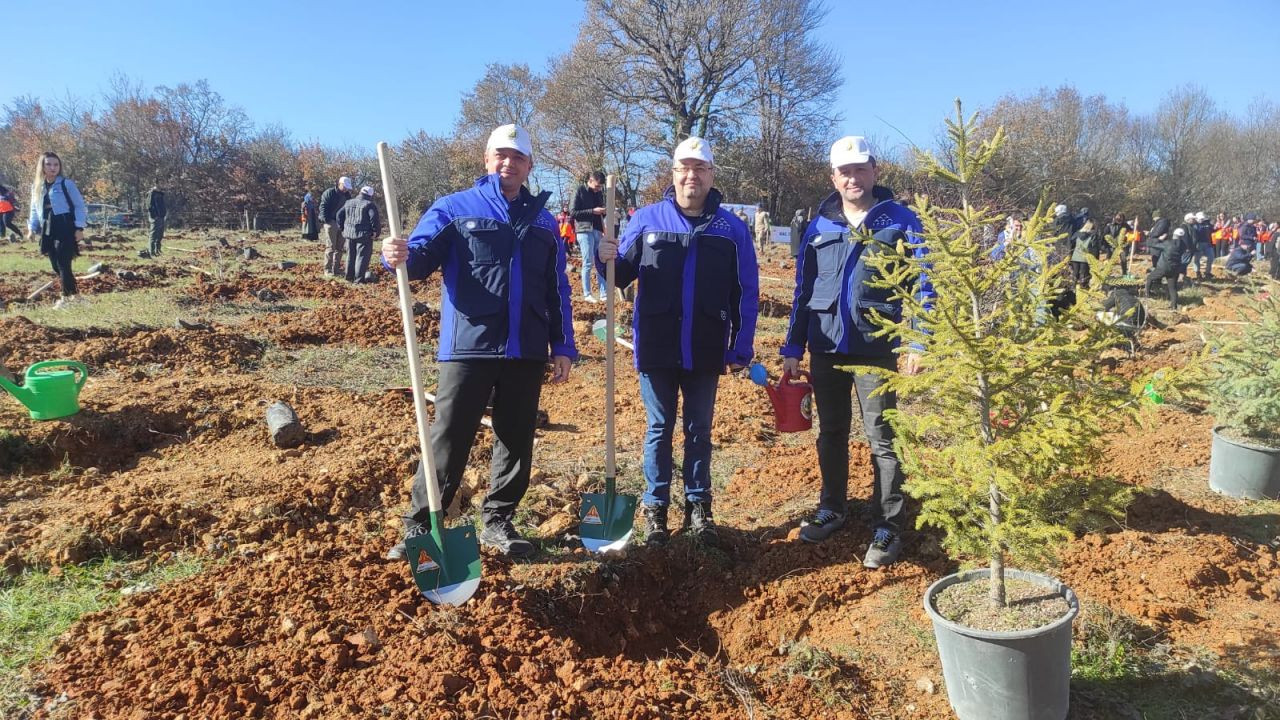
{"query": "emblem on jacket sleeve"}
pixel 651 238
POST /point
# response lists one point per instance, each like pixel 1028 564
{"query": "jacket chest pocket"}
pixel 662 263
pixel 486 241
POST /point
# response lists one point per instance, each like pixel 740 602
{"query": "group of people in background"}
pixel 349 222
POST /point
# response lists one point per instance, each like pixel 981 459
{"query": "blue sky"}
pixel 352 74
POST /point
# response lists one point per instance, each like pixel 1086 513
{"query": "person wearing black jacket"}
pixel 157 211
pixel 1113 241
pixel 1168 265
pixel 360 223
pixel 331 201
pixel 1157 235
pixel 588 223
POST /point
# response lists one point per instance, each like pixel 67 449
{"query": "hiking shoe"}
pixel 821 525
pixel 884 549
pixel 397 551
pixel 655 524
pixel 501 534
pixel 697 520
pixel 589 298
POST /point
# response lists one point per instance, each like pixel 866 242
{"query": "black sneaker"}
pixel 697 520
pixel 501 534
pixel 655 524
pixel 397 551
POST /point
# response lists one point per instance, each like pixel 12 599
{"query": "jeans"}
pixel 833 390
pixel 660 390
pixel 333 249
pixel 588 241
pixel 359 251
pixel 461 396
pixel 157 234
pixel 1203 250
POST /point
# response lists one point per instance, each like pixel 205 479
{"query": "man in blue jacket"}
pixel 695 312
pixel 504 313
pixel 831 315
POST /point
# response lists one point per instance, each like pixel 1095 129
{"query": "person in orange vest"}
pixel 567 233
pixel 8 209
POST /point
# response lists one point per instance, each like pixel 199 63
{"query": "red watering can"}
pixel 792 403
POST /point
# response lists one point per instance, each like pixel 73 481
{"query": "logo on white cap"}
pixel 849 150
pixel 694 148
pixel 510 137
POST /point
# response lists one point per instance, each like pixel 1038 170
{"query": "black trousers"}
pixel 1080 273
pixel 60 246
pixel 1170 276
pixel 6 223
pixel 359 251
pixel 157 234
pixel 461 396
pixel 833 391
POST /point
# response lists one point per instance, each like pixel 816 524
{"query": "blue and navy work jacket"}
pixel 832 308
pixel 505 290
pixel 697 286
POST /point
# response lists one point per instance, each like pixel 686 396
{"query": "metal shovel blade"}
pixel 606 521
pixel 447 569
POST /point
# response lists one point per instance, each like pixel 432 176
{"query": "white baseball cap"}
pixel 1200 216
pixel 849 150
pixel 344 182
pixel 693 148
pixel 1189 217
pixel 1060 210
pixel 510 137
pixel 367 190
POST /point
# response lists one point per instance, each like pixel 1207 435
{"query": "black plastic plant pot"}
pixel 1020 675
pixel 1241 469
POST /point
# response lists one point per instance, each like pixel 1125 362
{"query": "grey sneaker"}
pixel 821 525
pixel 501 534
pixel 397 551
pixel 884 550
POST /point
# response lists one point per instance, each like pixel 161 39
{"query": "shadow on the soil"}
pixel 653 602
pixel 1158 511
pixel 105 440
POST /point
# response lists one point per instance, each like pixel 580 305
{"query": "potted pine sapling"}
pixel 1003 442
pixel 1243 390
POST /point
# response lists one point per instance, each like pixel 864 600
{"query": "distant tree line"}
pixel 641 75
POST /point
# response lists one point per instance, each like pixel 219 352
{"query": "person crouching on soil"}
pixel 1168 265
pixel 695 312
pixel 833 265
pixel 58 213
pixel 504 313
pixel 360 222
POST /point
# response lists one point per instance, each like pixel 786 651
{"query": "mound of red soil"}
pixel 286 289
pixel 347 324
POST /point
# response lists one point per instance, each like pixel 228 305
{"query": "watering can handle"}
pixel 790 379
pixel 73 364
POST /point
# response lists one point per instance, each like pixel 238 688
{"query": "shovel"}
pixel 607 519
pixel 445 563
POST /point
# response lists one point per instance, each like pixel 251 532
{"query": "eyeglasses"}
pixel 691 169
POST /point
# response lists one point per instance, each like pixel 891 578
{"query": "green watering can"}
pixel 50 394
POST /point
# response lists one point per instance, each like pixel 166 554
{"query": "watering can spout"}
pixel 23 395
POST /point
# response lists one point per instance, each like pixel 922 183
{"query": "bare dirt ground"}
pixel 297 615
